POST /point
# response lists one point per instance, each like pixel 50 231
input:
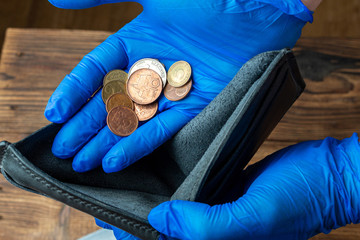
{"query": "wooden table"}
pixel 34 61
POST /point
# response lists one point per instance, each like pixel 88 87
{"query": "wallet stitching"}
pixel 80 201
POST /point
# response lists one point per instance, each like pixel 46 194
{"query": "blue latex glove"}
pixel 118 233
pixel 215 37
pixel 295 193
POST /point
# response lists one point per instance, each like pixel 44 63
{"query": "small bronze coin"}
pixel 119 99
pixel 112 87
pixel 144 86
pixel 115 75
pixel 176 94
pixel 145 112
pixel 179 73
pixel 122 121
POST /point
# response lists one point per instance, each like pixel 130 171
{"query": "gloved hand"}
pixel 215 36
pixel 295 193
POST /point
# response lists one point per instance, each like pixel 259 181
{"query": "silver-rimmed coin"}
pixel 150 63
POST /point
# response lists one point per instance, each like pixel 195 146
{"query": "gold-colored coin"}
pixel 112 87
pixel 119 99
pixel 115 75
pixel 179 74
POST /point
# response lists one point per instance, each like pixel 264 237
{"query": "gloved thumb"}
pixel 193 220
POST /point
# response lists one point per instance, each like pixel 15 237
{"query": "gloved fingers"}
pixel 179 219
pixel 122 235
pixel 80 4
pixel 103 224
pixel 77 87
pixel 80 128
pixel 91 155
pixel 286 189
pixel 193 220
pixel 118 233
pixel 144 140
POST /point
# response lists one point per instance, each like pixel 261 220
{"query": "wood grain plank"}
pixel 110 17
pixel 25 216
pixel 41 14
pixel 330 105
pixel 14 14
pixel 33 63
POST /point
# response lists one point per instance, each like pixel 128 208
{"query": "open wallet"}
pixel 198 164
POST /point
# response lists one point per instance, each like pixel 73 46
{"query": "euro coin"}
pixel 112 87
pixel 115 75
pixel 144 86
pixel 122 121
pixel 176 94
pixel 119 99
pixel 145 112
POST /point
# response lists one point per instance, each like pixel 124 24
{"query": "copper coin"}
pixel 122 121
pixel 145 112
pixel 176 94
pixel 144 86
pixel 150 63
pixel 119 99
pixel 179 74
pixel 112 87
pixel 115 75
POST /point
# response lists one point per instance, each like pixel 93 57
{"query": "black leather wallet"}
pixel 198 164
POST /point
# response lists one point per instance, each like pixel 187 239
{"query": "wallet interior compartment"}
pixel 267 110
pixel 146 175
pixel 135 190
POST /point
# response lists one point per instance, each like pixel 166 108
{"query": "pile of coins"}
pixel 132 97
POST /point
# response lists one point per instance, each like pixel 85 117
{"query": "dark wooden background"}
pixel 329 107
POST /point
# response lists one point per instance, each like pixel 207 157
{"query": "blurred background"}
pixel 333 18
